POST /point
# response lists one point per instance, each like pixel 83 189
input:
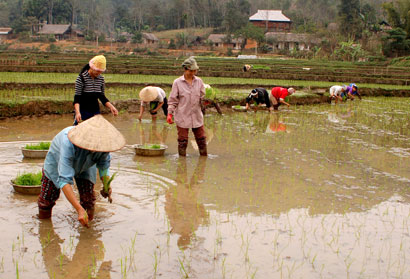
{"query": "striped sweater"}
pixel 87 92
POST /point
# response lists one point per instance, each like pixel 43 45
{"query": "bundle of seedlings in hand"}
pixel 210 93
pixel 105 192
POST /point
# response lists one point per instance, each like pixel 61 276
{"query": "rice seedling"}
pixel 38 146
pixel 60 260
pixel 155 264
pixel 182 268
pixel 17 270
pixel 28 179
pixel 151 146
pixel 123 267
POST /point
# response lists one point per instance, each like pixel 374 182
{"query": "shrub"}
pixel 137 38
pixel 348 51
pixel 140 49
pixel 4 46
pixel 172 44
pixel 122 39
pixel 53 48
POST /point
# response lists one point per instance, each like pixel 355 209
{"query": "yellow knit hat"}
pixel 98 63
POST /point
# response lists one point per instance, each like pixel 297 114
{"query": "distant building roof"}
pixel 292 37
pixel 269 15
pixel 54 29
pixel 5 30
pixel 383 22
pixel 221 38
pixel 149 36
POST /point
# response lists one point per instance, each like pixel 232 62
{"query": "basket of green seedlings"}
pixel 36 150
pixel 148 149
pixel 27 183
pixel 239 108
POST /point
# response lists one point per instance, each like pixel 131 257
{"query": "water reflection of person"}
pixel 340 115
pixel 276 125
pixel 88 251
pixel 209 133
pixel 184 211
pixel 154 136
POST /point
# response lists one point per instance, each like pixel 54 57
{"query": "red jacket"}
pixel 279 92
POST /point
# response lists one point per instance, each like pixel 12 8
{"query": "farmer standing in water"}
pixel 185 103
pixel 75 154
pixel 89 88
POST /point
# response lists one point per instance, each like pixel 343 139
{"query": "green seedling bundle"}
pixel 38 146
pixel 151 146
pixel 28 179
pixel 105 192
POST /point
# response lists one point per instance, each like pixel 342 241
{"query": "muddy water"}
pixel 309 192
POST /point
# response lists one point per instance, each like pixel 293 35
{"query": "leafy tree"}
pixel 137 37
pixel 75 8
pixel 350 22
pixel 250 31
pixel 172 44
pixel 236 16
pixel 348 51
pixel 36 8
pixel 393 16
pixel 396 43
pixel 368 14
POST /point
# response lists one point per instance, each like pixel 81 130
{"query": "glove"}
pixel 169 119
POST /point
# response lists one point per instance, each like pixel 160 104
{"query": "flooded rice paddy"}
pixel 309 192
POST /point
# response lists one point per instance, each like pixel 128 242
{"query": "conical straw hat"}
pixel 148 94
pixel 96 134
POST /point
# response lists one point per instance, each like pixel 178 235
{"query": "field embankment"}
pixel 43 83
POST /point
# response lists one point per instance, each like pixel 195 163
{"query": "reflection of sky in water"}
pixel 324 199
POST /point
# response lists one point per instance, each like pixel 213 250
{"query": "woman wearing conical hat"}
pixel 89 88
pixel 155 99
pixel 75 154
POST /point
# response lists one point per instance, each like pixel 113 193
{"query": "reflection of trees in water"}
pixel 184 211
pixel 88 252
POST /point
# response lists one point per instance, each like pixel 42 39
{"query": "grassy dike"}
pixel 28 93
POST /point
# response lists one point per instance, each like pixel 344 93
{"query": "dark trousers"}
pixel 200 138
pixel 154 105
pixel 50 193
